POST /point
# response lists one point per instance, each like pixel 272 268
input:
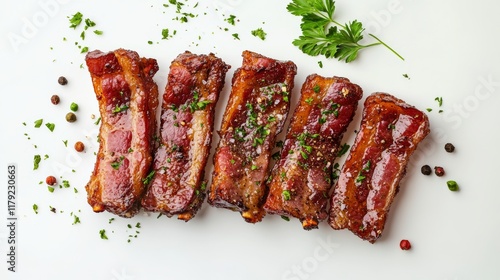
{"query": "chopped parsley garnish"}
pixel 98 32
pixel 50 126
pixel 97 121
pixel 36 161
pixel 102 234
pixel 116 164
pixel 65 184
pixel 285 218
pixel 119 109
pixel 343 149
pixel 231 19
pixel 148 178
pixel 236 36
pixel 406 76
pixel 51 189
pixel 35 208
pixel 439 101
pixel 38 123
pixel 76 220
pixel 75 20
pixel 260 33
pixel 286 195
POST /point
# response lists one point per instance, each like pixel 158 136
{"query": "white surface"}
pixel 450 49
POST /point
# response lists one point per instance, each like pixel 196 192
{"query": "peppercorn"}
pixel 449 147
pixel 439 171
pixel 426 170
pixel 70 117
pixel 62 81
pixel 51 180
pixel 405 245
pixel 452 186
pixel 79 146
pixel 73 107
pixel 55 99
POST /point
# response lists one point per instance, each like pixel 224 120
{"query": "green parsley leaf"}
pixel 286 195
pixel 98 32
pixel 50 126
pixel 75 20
pixel 102 234
pixel 36 161
pixel 439 101
pixel 38 123
pixel 323 35
pixel 260 33
pixel 148 178
pixel 35 208
pixel 236 36
pixel 231 19
pixel 343 149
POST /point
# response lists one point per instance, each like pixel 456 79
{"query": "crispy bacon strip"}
pixel 301 180
pixel 257 109
pixel 390 132
pixel 128 100
pixel 187 119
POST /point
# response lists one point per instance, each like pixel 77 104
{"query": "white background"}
pixel 451 51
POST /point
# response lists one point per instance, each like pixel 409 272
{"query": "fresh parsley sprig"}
pixel 323 35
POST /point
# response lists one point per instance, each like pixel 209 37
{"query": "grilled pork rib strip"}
pixel 128 100
pixel 390 132
pixel 301 180
pixel 257 109
pixel 187 119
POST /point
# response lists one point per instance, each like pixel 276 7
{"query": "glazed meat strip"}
pixel 177 181
pixel 301 180
pixel 390 132
pixel 257 109
pixel 128 100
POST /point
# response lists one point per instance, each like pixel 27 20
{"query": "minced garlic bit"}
pixel 345 91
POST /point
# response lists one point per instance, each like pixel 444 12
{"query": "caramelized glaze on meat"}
pixel 128 100
pixel 257 109
pixel 177 185
pixel 390 132
pixel 301 180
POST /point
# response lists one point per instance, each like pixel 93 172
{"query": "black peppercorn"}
pixel 426 170
pixel 62 81
pixel 449 147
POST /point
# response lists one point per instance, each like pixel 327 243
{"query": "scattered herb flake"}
pixel 286 195
pixel 35 208
pixel 439 101
pixel 102 234
pixel 75 20
pixel 36 161
pixel 236 36
pixel 76 220
pixel 231 19
pixel 260 33
pixel 38 123
pixel 50 126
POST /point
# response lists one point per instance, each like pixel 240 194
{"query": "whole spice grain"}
pixel 51 180
pixel 439 171
pixel 426 170
pixel 70 117
pixel 79 146
pixel 55 99
pixel 449 147
pixel 405 245
pixel 62 81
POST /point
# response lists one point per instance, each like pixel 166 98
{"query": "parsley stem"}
pixel 387 46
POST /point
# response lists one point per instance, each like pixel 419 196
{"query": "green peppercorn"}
pixel 452 186
pixel 70 117
pixel 73 107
